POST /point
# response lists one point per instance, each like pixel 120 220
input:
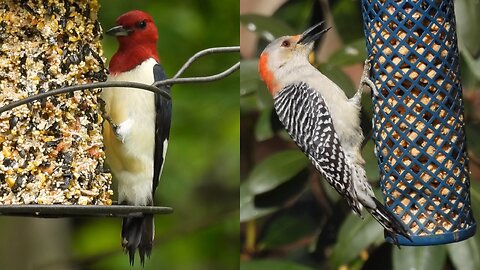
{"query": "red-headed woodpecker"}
pixel 136 138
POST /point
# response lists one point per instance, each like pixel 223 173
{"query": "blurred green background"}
pixel 200 179
pixel 290 217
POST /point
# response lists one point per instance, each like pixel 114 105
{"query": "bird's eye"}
pixel 142 24
pixel 286 43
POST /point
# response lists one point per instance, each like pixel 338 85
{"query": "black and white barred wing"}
pixel 307 119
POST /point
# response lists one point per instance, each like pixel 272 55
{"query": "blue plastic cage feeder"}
pixel 418 121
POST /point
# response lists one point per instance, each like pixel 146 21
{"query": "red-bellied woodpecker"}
pixel 322 121
pixel 137 131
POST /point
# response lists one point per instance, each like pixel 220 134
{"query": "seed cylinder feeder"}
pixel 418 121
pixel 51 151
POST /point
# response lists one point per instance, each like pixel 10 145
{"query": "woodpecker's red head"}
pixel 279 59
pixel 137 35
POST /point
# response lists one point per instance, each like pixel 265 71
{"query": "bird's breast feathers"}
pixel 131 104
pixel 133 110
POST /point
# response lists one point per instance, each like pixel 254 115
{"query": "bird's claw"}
pixel 394 237
pixel 122 129
pixel 124 244
pixel 365 80
pixel 116 131
pixel 115 127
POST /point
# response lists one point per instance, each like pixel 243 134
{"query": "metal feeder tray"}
pixel 65 211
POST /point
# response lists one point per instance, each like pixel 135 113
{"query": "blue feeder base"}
pixel 436 239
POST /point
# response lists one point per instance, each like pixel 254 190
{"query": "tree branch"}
pixel 82 87
pixel 199 79
pixel 202 53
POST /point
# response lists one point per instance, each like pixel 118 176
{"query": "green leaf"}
pixel 371 163
pixel 287 228
pixel 254 206
pixel 271 264
pixel 355 235
pixel 269 174
pixel 275 170
pixel 269 28
pixel 473 64
pixel 331 193
pixel 349 54
pixel 248 103
pixel 250 81
pixel 263 128
pixel 465 255
pixel 473 131
pixel 467 22
pixel 339 77
pixel 420 258
pixel 348 19
pixel 253 92
pixel 285 191
pixel 264 98
pixel 475 197
pixel 248 211
pixel 296 13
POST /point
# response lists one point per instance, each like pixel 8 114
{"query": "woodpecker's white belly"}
pixel 133 110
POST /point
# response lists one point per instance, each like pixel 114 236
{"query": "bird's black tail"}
pixel 389 221
pixel 138 233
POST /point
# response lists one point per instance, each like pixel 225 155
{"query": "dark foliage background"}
pixel 290 218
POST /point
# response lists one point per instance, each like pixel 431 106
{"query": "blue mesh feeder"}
pixel 418 121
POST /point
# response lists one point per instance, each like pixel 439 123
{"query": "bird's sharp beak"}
pixel 118 31
pixel 313 33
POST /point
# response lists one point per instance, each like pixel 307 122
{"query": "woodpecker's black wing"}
pixel 163 117
pixel 306 117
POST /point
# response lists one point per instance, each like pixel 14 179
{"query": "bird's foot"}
pixel 365 80
pixel 116 129
pixel 124 244
pixel 122 129
pixel 394 237
pixel 106 117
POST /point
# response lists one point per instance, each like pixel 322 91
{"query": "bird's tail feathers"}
pixel 138 233
pixel 389 221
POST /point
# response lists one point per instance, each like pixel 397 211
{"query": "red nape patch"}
pixel 267 75
pixel 126 59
